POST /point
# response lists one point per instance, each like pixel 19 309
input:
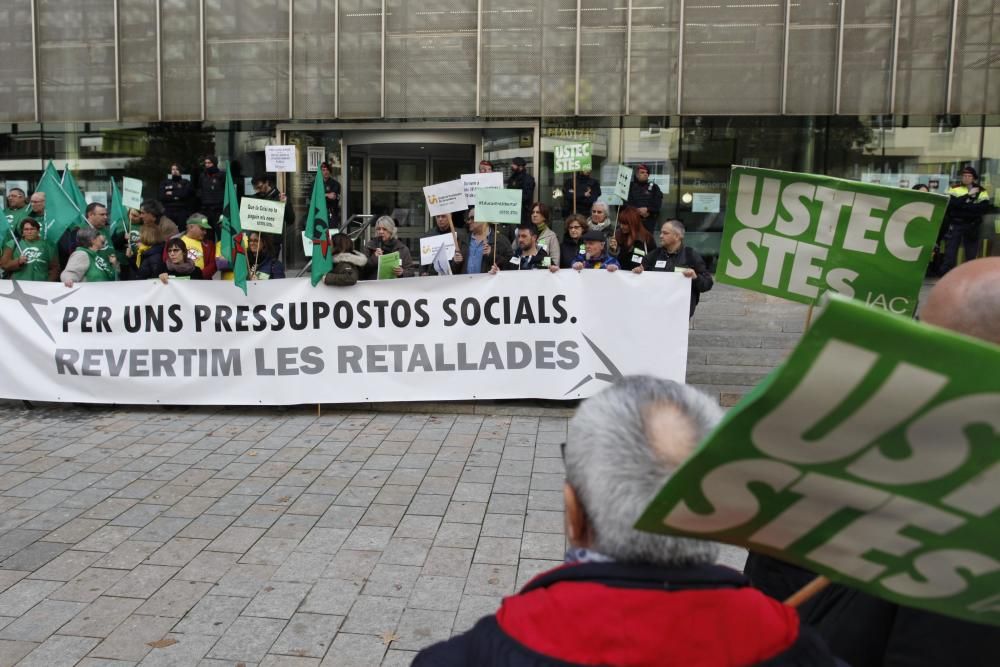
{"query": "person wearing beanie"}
pixel 968 203
pixel 646 197
pixel 521 180
pixel 176 194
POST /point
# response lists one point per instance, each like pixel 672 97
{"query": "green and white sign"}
pixel 499 206
pixel 798 235
pixel 572 157
pixel 871 456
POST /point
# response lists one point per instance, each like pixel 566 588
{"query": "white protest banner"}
pixel 262 215
pixel 522 334
pixel 314 157
pixel 498 206
pixel 279 158
pixel 430 245
pixel 131 192
pixel 446 197
pixel 623 182
pixel 473 182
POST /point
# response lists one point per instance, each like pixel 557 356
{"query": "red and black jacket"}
pixel 632 615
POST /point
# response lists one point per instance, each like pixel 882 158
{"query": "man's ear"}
pixel 577 528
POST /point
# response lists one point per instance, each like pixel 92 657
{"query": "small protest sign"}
pixel 262 215
pixel 131 192
pixel 498 206
pixel 430 245
pixel 314 157
pixel 473 182
pixel 623 182
pixel 799 235
pixel 572 157
pixel 446 197
pixel 387 264
pixel 870 457
pixel 279 158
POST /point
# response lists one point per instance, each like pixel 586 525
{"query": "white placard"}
pixel 705 202
pixel 262 215
pixel 446 197
pixel 429 246
pixel 491 179
pixel 451 338
pixel 279 158
pixel 623 181
pixel 314 157
pixel 131 192
pixel 96 197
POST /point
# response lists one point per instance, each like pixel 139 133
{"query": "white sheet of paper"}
pixel 279 158
pixel 429 246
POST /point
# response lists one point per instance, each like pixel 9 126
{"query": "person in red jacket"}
pixel 626 597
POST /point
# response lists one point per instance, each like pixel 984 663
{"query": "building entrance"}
pixel 383 171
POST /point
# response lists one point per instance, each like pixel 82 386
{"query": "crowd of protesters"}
pixel 176 235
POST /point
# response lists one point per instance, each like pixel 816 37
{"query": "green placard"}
pixel 871 456
pixel 572 157
pixel 798 235
pixel 498 206
pixel 386 264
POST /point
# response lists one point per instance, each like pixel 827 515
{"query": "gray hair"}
pixel 388 223
pixel 677 226
pixel 85 237
pixel 615 471
pixel 607 209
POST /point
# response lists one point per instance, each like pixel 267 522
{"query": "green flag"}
pixel 72 190
pixel 799 235
pixel 871 456
pixel 318 231
pixel 117 214
pixel 60 211
pixel 11 219
pixel 233 244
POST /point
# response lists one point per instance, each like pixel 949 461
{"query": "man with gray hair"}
pixel 626 597
pixel 674 255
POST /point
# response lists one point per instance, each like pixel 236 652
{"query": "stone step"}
pixel 741 376
pixel 736 356
pixel 731 340
pixel 756 323
pixel 727 395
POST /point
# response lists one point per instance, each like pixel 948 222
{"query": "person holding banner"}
pixel 626 597
pixel 541 217
pixel 646 197
pixel 528 255
pixel 385 243
pixel 599 219
pixel 572 243
pixel 31 258
pixel 178 265
pixel 595 254
pixel 91 262
pixel 631 242
pixel 673 255
pixel 348 263
pixel 478 253
pixel 96 216
pixel 146 261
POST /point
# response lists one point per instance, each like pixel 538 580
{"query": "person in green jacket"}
pixel 17 207
pixel 91 262
pixel 31 258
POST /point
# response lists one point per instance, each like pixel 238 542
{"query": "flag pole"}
pixel 574 193
pixel 12 236
pixel 804 594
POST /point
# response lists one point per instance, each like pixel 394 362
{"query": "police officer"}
pixel 969 202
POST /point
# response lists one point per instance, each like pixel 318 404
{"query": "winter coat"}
pixel 646 195
pixel 524 182
pixel 348 268
pixel 177 197
pixel 151 264
pixel 602 262
pixel 503 252
pixel 393 245
pixel 269 268
pixel 568 250
pixel 661 260
pixel 588 190
pixel 212 189
pixel 634 614
pixel 547 239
